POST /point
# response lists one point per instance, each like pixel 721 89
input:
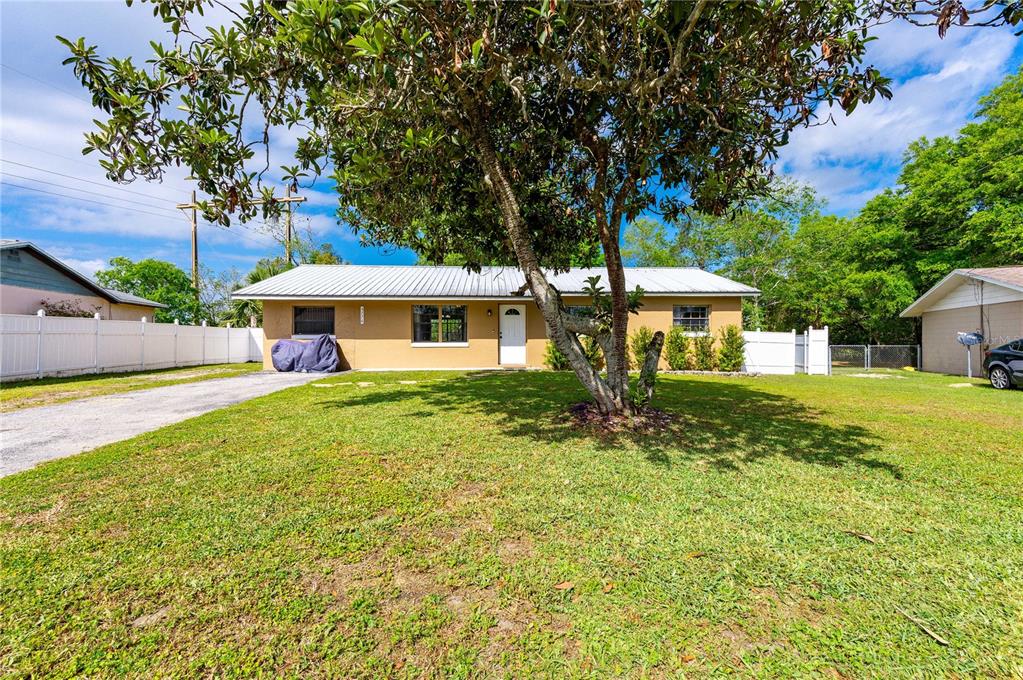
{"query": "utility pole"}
pixel 287 225
pixel 193 206
pixel 287 201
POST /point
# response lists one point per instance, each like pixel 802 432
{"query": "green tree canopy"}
pixel 158 281
pixel 530 128
pixel 959 200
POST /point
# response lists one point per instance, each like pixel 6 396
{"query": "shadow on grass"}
pixel 722 423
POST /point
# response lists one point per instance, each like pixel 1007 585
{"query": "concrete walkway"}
pixel 33 435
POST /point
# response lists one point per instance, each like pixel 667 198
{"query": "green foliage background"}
pixel 958 203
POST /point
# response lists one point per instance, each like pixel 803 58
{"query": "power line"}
pixel 79 160
pixel 86 200
pixel 76 95
pixel 50 153
pixel 106 185
pixel 86 191
pixel 121 207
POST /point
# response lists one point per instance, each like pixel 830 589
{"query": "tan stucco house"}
pixel 29 276
pixel 399 317
pixel 987 300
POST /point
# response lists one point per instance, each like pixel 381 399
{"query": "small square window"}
pixel 313 321
pixel 693 318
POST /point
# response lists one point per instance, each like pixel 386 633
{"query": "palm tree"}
pixel 243 310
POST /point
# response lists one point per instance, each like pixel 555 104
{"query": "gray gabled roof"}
pixel 1010 277
pixel 388 281
pixel 107 293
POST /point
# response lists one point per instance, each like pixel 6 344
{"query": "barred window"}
pixel 313 321
pixel 693 318
pixel 440 323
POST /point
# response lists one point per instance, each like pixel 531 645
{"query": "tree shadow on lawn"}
pixel 724 424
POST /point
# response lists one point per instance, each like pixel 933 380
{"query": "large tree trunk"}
pixel 618 359
pixel 547 299
pixel 611 395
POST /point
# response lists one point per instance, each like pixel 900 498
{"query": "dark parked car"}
pixel 1004 365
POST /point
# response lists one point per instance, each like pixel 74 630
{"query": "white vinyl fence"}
pixel 787 353
pixel 38 346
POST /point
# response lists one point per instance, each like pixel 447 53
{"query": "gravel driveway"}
pixel 33 435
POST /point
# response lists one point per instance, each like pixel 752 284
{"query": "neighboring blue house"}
pixel 31 278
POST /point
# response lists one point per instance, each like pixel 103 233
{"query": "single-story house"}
pixel 29 276
pixel 392 317
pixel 988 301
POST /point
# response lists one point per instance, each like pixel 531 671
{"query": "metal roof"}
pixel 109 293
pixel 1009 277
pixel 319 281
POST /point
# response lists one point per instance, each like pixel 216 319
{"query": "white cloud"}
pixel 87 267
pixel 858 155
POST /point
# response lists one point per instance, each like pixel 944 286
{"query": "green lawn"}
pixel 459 526
pixel 28 393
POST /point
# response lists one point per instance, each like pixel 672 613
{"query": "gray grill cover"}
pixel 318 356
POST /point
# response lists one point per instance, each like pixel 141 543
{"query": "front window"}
pixel 693 318
pixel 313 321
pixel 580 310
pixel 439 324
pixel 453 323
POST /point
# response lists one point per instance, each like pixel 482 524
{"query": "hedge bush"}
pixel 733 346
pixel 638 343
pixel 677 349
pixel 704 353
pixel 556 361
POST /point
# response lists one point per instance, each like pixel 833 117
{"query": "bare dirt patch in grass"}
pixel 339 578
pixel 585 415
pixel 511 550
pixel 46 516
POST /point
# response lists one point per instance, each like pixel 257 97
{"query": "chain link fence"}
pixel 852 358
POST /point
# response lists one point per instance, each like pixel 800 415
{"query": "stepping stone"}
pixel 364 384
pixel 407 382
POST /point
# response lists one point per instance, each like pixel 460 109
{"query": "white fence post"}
pixel 97 317
pixel 793 351
pixel 203 343
pixel 807 352
pixel 827 343
pixel 176 324
pixel 143 357
pixel 39 344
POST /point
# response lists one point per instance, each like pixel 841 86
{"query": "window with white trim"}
pixel 440 324
pixel 313 321
pixel 693 318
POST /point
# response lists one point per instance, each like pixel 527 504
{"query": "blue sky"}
pixel 43 113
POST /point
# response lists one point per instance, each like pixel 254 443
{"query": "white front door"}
pixel 512 334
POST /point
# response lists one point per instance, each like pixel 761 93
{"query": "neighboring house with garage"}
pixel 389 317
pixel 30 277
pixel 987 301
